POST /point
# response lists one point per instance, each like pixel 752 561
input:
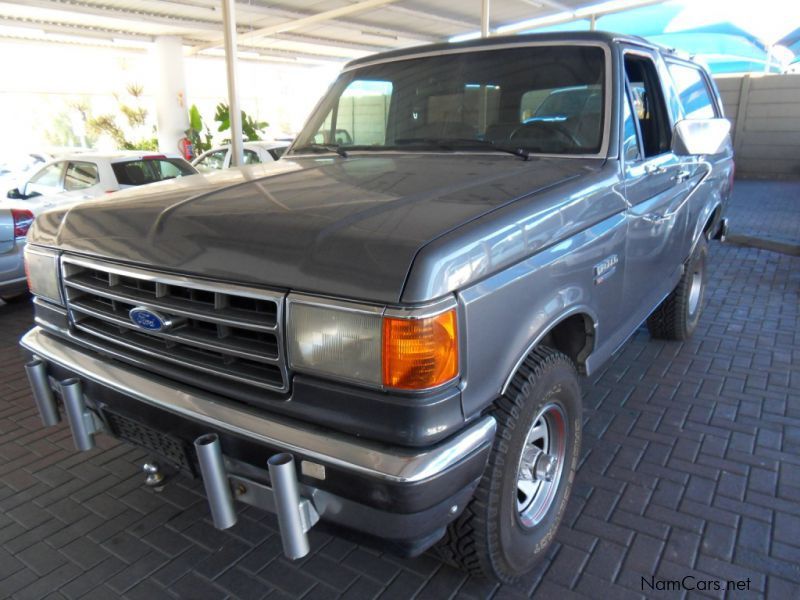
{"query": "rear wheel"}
pixel 512 519
pixel 677 316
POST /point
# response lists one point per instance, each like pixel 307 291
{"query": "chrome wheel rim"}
pixel 541 465
pixel 695 291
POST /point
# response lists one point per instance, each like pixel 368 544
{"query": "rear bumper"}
pixel 402 496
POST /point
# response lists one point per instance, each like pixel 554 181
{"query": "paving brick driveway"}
pixel 691 466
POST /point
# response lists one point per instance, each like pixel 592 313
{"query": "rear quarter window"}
pixel 150 170
pixel 81 175
pixel 693 91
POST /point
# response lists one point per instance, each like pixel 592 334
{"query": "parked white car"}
pixel 75 177
pixel 16 168
pixel 254 152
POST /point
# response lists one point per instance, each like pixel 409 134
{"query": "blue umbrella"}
pixel 727 43
pixel 792 42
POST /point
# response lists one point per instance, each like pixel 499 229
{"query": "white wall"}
pixel 42 82
pixel 765 116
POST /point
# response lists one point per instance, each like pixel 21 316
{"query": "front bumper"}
pixel 403 497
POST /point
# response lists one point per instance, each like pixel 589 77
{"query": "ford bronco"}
pixel 382 333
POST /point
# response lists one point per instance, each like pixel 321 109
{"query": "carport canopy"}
pixel 288 31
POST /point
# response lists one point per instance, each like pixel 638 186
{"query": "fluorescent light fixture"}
pixel 607 7
pixel 379 34
pixel 20 31
pixel 79 39
pixel 463 37
pixel 537 22
pixel 240 53
pixel 136 43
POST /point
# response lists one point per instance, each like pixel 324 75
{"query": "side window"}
pixel 630 137
pixel 530 102
pixel 693 91
pixel 212 162
pixel 648 103
pixel 277 152
pixel 80 175
pixel 49 177
pixel 251 158
pixel 169 170
pixel 361 115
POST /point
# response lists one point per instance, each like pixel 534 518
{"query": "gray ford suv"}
pixel 383 332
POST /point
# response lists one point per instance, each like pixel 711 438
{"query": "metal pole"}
pixel 593 23
pixel 287 503
pixel 229 27
pixel 80 420
pixel 484 18
pixel 42 394
pixel 215 480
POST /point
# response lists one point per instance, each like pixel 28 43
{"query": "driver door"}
pixel 655 188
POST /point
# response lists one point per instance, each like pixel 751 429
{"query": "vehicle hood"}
pixel 344 227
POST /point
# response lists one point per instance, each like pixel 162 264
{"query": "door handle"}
pixel 654 169
pixel 682 175
pixel 655 218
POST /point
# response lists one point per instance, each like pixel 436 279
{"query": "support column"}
pixel 485 9
pixel 229 27
pixel 172 116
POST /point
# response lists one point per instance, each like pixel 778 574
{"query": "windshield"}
pixel 543 99
pixel 150 170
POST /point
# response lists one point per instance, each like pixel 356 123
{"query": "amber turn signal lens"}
pixel 420 353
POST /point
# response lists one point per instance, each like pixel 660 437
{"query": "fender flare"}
pixel 580 309
pixel 700 225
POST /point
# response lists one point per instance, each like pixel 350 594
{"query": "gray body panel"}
pixel 348 228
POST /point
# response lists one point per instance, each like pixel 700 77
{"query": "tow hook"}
pixel 154 477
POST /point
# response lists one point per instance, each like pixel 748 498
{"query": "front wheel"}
pixel 677 316
pixel 512 519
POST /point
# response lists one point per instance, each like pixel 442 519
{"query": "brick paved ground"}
pixel 766 208
pixel 691 467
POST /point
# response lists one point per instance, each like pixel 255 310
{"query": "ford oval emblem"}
pixel 150 320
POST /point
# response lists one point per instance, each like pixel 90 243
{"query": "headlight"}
pixel 412 350
pixel 41 269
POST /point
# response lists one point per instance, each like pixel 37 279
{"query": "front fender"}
pixel 506 315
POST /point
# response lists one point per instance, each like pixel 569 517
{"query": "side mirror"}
pixel 15 194
pixel 695 137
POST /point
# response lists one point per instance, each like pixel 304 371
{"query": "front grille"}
pixel 168 448
pixel 226 331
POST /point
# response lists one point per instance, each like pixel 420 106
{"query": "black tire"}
pixel 490 538
pixel 677 316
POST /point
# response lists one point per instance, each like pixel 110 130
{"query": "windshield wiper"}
pixel 462 143
pixel 322 148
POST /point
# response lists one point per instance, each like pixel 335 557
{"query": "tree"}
pixel 252 130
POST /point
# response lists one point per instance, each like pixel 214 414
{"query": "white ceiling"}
pixel 292 31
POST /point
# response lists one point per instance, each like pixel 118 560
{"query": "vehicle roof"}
pixel 604 37
pixel 117 156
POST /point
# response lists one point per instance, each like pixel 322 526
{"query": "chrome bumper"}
pixel 390 463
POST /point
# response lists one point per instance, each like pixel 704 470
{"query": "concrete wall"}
pixel 765 115
pixel 370 126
